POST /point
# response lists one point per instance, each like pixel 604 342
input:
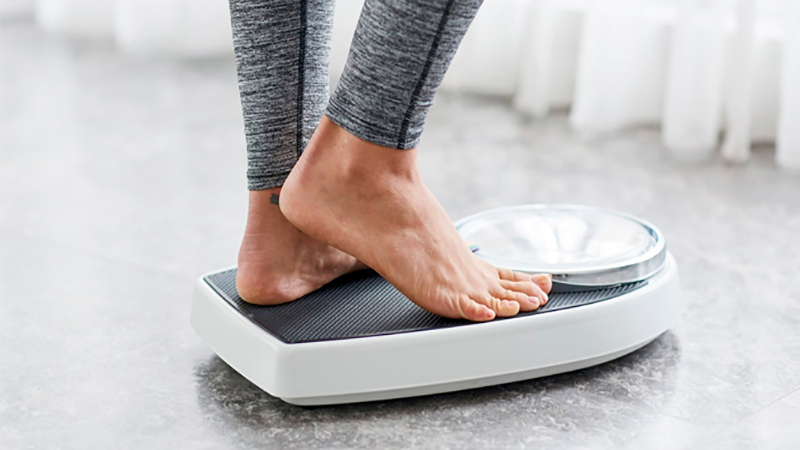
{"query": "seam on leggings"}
pixel 402 138
pixel 301 68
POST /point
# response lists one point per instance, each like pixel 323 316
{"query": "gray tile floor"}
pixel 121 180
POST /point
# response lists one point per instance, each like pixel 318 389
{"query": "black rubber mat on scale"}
pixel 364 304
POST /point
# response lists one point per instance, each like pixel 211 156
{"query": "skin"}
pixel 278 263
pixel 370 202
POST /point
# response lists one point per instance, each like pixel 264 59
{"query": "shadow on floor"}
pixel 236 405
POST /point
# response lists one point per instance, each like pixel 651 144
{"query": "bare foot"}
pixel 278 263
pixel 370 202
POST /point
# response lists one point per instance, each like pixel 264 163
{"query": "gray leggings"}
pixel 398 57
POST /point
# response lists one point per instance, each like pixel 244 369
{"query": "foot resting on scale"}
pixel 278 263
pixel 370 202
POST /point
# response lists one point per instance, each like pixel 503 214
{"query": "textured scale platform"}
pixel 363 304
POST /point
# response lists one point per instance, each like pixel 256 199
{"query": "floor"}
pixel 122 180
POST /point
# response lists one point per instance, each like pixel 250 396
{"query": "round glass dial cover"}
pixel 585 245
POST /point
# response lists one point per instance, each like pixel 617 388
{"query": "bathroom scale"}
pixel 615 289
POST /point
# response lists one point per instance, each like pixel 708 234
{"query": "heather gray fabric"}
pixel 398 57
pixel 282 49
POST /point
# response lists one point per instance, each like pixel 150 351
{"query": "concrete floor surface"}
pixel 122 180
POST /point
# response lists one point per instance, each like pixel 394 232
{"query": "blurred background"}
pixel 122 179
pixel 695 67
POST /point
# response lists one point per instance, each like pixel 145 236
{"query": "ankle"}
pixel 262 206
pixel 264 216
pixel 263 201
pixel 357 160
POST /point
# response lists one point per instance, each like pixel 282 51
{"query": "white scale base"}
pixel 438 360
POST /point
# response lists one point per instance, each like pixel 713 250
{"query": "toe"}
pixel 501 307
pixel 526 296
pixel 510 275
pixel 544 281
pixel 474 311
pixel 506 308
pixel 531 290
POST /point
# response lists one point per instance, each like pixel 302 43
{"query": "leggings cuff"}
pixel 363 130
pixel 261 183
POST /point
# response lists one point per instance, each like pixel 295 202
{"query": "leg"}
pixel 282 49
pixel 354 189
